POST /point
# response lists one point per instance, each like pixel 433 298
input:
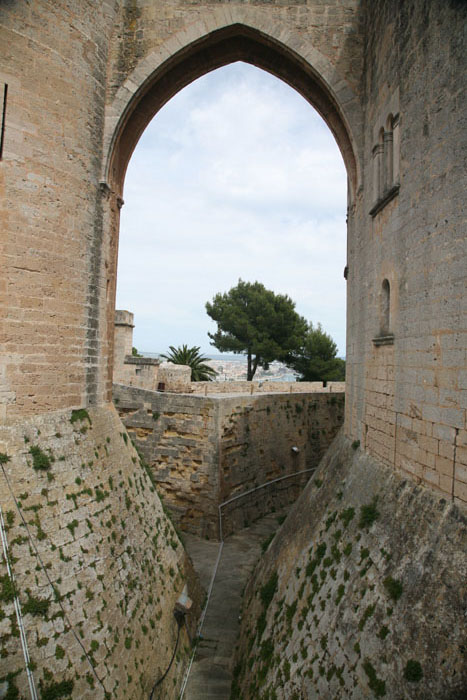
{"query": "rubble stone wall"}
pixel 98 566
pixel 205 450
pixel 355 597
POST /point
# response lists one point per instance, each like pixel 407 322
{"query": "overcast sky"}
pixel 236 177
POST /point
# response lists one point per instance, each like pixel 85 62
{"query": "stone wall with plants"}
pixel 266 437
pixel 360 594
pixel 97 564
pixel 204 450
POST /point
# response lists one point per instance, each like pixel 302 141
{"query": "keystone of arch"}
pixel 347 102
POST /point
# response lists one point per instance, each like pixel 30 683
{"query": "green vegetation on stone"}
pixel 80 414
pixel 347 515
pixel 413 671
pixel 7 589
pixel 268 590
pixel 366 616
pixel 54 691
pixel 377 685
pixel 393 587
pixel 36 606
pixel 40 460
pixel 368 514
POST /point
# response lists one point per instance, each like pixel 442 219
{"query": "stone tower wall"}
pixel 54 254
pixel 407 400
pixel 83 82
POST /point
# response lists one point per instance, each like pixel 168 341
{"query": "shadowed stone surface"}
pixel 211 673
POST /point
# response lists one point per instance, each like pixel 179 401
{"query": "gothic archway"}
pixel 139 103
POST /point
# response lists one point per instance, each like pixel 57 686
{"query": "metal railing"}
pixel 218 558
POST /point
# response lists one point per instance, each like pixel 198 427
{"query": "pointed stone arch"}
pixel 214 43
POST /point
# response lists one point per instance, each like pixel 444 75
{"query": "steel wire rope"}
pixel 19 616
pixel 54 589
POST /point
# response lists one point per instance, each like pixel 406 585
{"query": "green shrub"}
pixel 7 589
pixel 54 691
pixel 393 587
pixel 347 515
pixel 59 652
pixel 268 590
pixel 377 685
pixel 80 414
pixel 40 461
pixel 368 514
pixel 413 671
pixel 36 606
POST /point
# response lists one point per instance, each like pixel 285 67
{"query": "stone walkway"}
pixel 211 673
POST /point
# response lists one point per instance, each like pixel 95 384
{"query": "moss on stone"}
pixel 40 460
pixel 413 671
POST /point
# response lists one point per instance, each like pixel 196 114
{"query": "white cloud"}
pixel 237 176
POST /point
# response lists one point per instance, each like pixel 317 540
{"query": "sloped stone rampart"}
pixel 205 450
pixel 356 597
pixel 98 569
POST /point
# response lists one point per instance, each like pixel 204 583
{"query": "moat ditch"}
pixel 210 676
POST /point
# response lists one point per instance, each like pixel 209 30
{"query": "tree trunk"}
pixel 252 367
pixel 255 366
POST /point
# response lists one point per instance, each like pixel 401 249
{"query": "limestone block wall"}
pixel 142 372
pixel 98 566
pixel 355 597
pixel 264 387
pixel 406 400
pixel 177 436
pixel 55 257
pixel 266 438
pixel 123 335
pixel 205 450
pixel 127 368
pixel 175 378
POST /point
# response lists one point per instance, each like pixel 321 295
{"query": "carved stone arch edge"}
pixel 346 102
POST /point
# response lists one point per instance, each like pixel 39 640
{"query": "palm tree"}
pixel 184 355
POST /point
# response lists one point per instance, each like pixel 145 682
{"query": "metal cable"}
pixel 55 590
pixel 19 617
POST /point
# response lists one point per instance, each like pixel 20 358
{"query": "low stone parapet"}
pixel 265 387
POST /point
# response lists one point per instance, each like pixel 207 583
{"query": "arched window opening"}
pixel 385 335
pixel 196 229
pixel 388 154
pixel 386 164
pixel 385 308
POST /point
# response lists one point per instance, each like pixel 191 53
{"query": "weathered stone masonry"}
pixel 84 79
pixel 98 569
pixel 83 83
pixel 354 599
pixel 204 450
